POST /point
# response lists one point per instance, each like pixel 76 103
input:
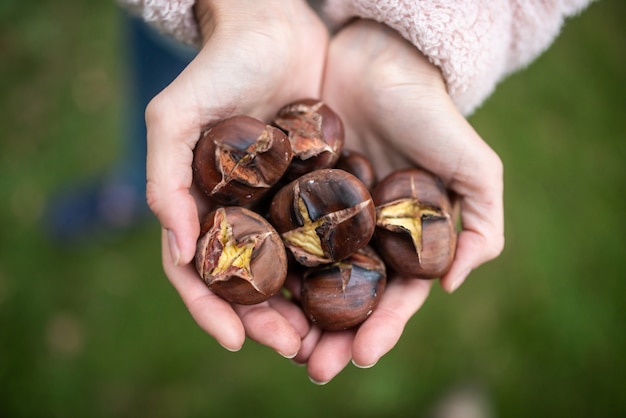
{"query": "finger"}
pixel 470 168
pixel 330 356
pixel 294 314
pixel 481 240
pixel 213 314
pixel 480 186
pixel 172 135
pixel 308 344
pixel 267 326
pixel 382 330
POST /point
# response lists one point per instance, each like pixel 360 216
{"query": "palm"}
pixel 255 68
pixel 387 93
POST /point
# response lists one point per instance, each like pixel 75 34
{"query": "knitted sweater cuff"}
pixel 172 17
pixel 475 43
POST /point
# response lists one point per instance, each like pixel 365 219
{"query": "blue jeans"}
pixel 153 62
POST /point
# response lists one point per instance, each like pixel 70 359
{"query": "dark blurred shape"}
pixel 115 201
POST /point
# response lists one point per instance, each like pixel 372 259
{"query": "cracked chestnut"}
pixel 415 230
pixel 315 132
pixel 239 159
pixel 323 216
pixel 343 294
pixel 240 256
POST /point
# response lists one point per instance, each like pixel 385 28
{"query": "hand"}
pixel 256 57
pixel 397 111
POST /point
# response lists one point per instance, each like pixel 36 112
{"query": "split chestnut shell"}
pixel 316 135
pixel 323 216
pixel 240 256
pixel 415 230
pixel 239 159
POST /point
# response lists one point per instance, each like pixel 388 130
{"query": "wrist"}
pixel 205 17
pixel 385 51
pixel 244 15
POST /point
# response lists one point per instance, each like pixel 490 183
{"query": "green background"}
pixel 97 331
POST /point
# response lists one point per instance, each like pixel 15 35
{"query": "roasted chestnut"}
pixel 239 159
pixel 359 165
pixel 343 294
pixel 323 216
pixel 315 132
pixel 240 256
pixel 415 230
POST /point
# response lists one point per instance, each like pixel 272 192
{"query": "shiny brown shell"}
pixel 323 216
pixel 415 229
pixel 343 294
pixel 316 135
pixel 239 159
pixel 240 256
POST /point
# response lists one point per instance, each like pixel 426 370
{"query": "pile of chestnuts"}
pixel 287 196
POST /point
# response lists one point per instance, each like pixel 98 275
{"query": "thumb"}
pixel 448 146
pixel 171 135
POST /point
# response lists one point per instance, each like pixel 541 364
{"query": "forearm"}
pixel 475 43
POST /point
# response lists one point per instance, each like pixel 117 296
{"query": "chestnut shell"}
pixel 343 294
pixel 336 202
pixel 257 281
pixel 239 159
pixel 359 165
pixel 438 230
pixel 316 135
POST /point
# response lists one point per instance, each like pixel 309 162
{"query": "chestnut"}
pixel 343 294
pixel 316 134
pixel 239 159
pixel 323 216
pixel 415 230
pixel 240 256
pixel 359 165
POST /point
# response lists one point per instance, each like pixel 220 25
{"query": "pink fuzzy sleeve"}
pixel 173 17
pixel 475 43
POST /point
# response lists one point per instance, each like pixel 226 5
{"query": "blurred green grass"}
pixel 97 331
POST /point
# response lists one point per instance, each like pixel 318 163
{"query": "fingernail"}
pixel 288 356
pixel 174 251
pixel 315 382
pixel 297 363
pixel 232 350
pixel 459 280
pixel 364 366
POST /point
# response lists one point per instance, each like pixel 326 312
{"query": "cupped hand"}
pixel 397 111
pixel 255 58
